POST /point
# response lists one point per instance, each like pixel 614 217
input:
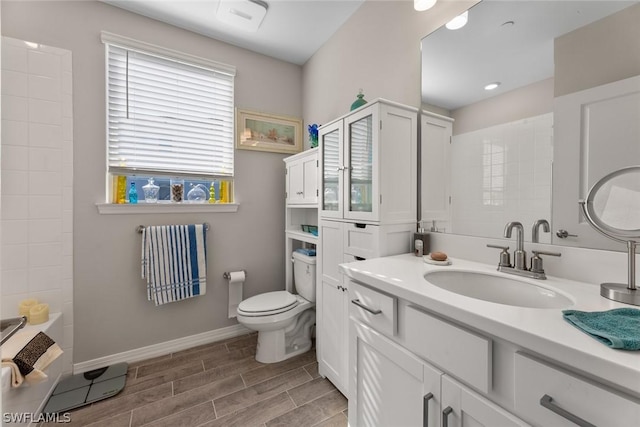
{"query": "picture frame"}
pixel 268 132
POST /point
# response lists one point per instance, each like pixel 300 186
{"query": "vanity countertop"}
pixel 543 331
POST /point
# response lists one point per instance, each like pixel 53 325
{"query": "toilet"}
pixel 284 321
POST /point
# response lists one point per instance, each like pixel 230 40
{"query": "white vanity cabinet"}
pixel 391 385
pixel 368 164
pixel 410 366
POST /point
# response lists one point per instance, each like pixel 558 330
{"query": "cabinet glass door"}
pixel 331 158
pixel 361 165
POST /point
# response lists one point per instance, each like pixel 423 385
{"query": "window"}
pixel 169 114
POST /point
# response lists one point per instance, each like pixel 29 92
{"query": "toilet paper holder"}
pixel 227 274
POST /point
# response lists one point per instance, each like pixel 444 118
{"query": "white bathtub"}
pixel 30 399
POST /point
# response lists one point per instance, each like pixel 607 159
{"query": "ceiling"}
pixel 292 30
pixel 505 41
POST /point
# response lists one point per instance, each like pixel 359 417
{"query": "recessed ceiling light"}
pixel 422 5
pixel 458 22
pixel 492 86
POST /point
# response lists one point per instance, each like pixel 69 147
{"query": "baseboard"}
pixel 161 348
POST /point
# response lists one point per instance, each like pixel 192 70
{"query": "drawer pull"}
pixel 364 307
pixel 547 402
pixel 445 416
pixel 425 409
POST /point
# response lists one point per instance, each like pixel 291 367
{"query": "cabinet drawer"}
pixel 464 354
pixel 373 308
pixel 361 239
pixel 593 404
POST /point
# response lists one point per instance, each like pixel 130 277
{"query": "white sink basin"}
pixel 498 289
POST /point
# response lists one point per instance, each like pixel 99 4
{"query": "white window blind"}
pixel 167 116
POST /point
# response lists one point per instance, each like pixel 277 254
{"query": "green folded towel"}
pixel 617 328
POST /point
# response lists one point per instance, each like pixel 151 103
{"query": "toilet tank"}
pixel 304 275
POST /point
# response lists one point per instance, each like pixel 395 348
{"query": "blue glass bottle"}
pixel 133 194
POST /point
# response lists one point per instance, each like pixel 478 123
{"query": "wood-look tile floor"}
pixel 220 384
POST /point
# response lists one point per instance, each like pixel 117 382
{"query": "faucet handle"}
pixel 536 253
pixel 536 261
pixel 505 258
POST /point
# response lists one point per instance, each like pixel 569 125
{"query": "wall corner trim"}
pixel 161 349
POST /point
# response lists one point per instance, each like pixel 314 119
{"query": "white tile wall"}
pixel 502 174
pixel 36 218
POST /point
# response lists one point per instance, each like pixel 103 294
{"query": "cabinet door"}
pixel 310 180
pixel 331 250
pixel 302 181
pixel 462 407
pixel 333 335
pixel 390 386
pixel 331 169
pixel 295 182
pixel 361 187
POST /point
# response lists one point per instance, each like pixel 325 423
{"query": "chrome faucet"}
pixel 535 230
pixel 519 255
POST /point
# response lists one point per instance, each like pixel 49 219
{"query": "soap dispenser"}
pixel 420 241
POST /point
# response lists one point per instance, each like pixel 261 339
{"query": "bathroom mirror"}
pixel 501 159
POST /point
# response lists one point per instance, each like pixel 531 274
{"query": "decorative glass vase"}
pixel 358 102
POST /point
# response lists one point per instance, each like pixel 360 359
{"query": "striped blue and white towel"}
pixel 174 262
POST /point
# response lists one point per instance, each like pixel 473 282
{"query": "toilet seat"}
pixel 268 304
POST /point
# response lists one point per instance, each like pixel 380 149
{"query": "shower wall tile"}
pixel 15 108
pixel 44 135
pixel 503 173
pixel 36 225
pixel 14 133
pixel 15 158
pixel 45 88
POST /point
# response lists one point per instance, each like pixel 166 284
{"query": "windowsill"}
pixel 158 208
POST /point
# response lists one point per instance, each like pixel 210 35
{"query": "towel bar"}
pixel 141 227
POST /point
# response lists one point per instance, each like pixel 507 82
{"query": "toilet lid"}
pixel 269 302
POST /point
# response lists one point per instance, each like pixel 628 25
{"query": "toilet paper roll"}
pixel 236 280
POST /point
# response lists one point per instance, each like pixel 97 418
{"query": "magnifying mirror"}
pixel 613 208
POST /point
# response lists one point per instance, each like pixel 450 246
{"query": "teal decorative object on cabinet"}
pixel 358 102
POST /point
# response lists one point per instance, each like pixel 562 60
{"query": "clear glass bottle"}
pixel 133 194
pixel 150 191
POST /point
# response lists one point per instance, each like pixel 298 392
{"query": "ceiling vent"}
pixel 244 14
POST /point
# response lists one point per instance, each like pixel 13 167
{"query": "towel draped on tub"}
pixel 174 262
pixel 28 353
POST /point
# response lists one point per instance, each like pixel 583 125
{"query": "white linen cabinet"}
pixel 368 209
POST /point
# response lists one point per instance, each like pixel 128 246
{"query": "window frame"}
pixel 131 44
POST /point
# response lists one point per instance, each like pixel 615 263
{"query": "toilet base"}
pixel 276 346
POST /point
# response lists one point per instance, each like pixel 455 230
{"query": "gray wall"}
pixel 378 50
pixel 111 314
pixel 600 53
